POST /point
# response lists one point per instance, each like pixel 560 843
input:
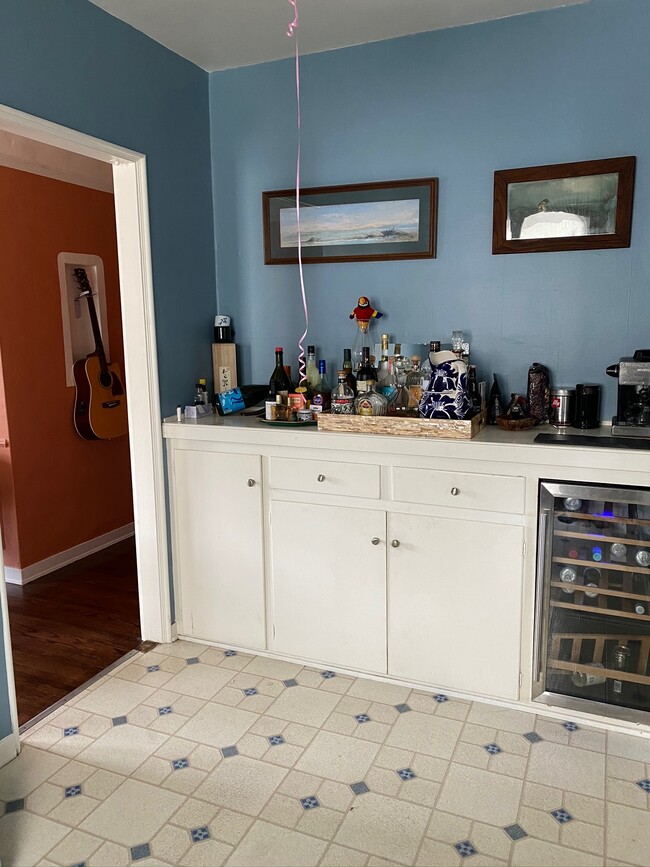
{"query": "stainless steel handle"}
pixel 539 594
pixel 321 477
pixel 395 543
pixel 455 492
pixel 375 541
pixel 251 483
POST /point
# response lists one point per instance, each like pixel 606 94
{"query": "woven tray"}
pixel 386 425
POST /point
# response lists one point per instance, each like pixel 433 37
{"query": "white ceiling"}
pixel 221 34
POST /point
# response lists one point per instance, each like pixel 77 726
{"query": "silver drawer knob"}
pixel 321 477
pixel 375 541
pixel 455 492
pixel 395 543
pixel 251 483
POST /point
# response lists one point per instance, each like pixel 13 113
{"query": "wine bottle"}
pixel 366 370
pixel 642 557
pixel 322 397
pixel 240 398
pixel 279 382
pixel 350 378
pixel 618 552
pixel 581 679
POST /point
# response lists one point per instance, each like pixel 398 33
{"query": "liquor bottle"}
pixel 366 370
pixel 414 383
pixel 472 388
pixel 350 378
pixel 311 371
pixel 342 396
pixel 322 397
pixel 279 382
pixel 240 398
pixel 401 365
pixel 495 401
pixel 383 368
pixel 368 401
pixel 642 557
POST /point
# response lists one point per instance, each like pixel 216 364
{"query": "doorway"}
pixel 146 455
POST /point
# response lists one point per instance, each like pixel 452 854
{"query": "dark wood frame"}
pixel 429 253
pixel 624 166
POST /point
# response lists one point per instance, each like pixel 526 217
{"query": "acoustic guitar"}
pixel 100 402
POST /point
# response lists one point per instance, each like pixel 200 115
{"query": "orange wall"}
pixel 66 489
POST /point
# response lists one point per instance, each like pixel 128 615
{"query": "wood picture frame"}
pixel 352 222
pixel 570 206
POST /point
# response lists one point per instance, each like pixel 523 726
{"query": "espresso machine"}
pixel 632 417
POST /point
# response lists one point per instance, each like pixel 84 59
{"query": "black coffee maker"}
pixel 632 417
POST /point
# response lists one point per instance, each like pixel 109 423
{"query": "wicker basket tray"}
pixel 516 423
pixel 386 425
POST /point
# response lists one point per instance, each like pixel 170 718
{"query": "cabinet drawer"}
pixel 462 490
pixel 326 477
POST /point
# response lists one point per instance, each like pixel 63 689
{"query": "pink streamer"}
pixel 301 356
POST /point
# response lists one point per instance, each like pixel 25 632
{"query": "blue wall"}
pixel 559 86
pixel 71 63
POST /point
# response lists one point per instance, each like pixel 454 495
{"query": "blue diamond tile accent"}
pixel 440 698
pixel 290 682
pixel 402 708
pixel 15 806
pixel 71 730
pixel 179 764
pixel 328 674
pixel 152 668
pixel 193 660
pixel 571 726
pixel 250 691
pixel 561 816
pixel 199 834
pixel 645 785
pixel 465 849
pixel 142 850
pixel 362 718
pixel 230 653
pixel 80 864
pixel 276 740
pixel 533 737
pixel 406 774
pixel 163 711
pixel 515 832
pixel 228 752
pixel 310 803
pixel 73 791
pixel 359 788
pixel 492 749
pixel 119 720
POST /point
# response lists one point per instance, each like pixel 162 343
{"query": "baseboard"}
pixel 57 561
pixel 9 748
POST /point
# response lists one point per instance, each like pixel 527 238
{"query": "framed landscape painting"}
pixel 352 223
pixel 570 206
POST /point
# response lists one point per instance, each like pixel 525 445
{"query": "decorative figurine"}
pixel 363 312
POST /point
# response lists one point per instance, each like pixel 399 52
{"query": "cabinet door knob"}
pixel 251 483
pixel 395 543
pixel 321 477
pixel 455 492
pixel 375 541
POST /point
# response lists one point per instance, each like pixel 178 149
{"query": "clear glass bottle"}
pixel 457 340
pixel 311 371
pixel 361 342
pixel 401 365
pixel 342 396
pixel 322 397
pixel 368 401
pixel 383 368
pixel 350 378
pixel 414 383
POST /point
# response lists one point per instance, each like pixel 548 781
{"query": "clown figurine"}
pixel 363 312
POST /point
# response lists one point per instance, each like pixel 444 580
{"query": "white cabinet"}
pixel 219 550
pixel 328 590
pixel 454 590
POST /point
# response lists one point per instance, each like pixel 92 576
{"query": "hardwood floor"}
pixel 69 625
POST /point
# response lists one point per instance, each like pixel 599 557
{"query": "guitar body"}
pixel 100 402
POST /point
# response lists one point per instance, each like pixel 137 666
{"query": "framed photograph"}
pixel 352 223
pixel 570 206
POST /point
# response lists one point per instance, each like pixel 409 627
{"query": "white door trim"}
pixel 140 361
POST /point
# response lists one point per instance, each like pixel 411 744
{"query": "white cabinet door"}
pixel 329 584
pixel 219 556
pixel 454 591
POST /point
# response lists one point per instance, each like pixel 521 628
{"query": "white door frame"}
pixel 140 361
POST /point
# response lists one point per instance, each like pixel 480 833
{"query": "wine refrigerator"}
pixel 591 647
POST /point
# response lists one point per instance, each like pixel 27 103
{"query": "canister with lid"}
pixel 562 403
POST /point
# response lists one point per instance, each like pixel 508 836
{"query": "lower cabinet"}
pixel 328 585
pixel 219 548
pixel 454 610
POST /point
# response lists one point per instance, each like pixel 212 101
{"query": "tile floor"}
pixel 190 755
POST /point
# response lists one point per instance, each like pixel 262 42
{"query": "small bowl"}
pixel 516 423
